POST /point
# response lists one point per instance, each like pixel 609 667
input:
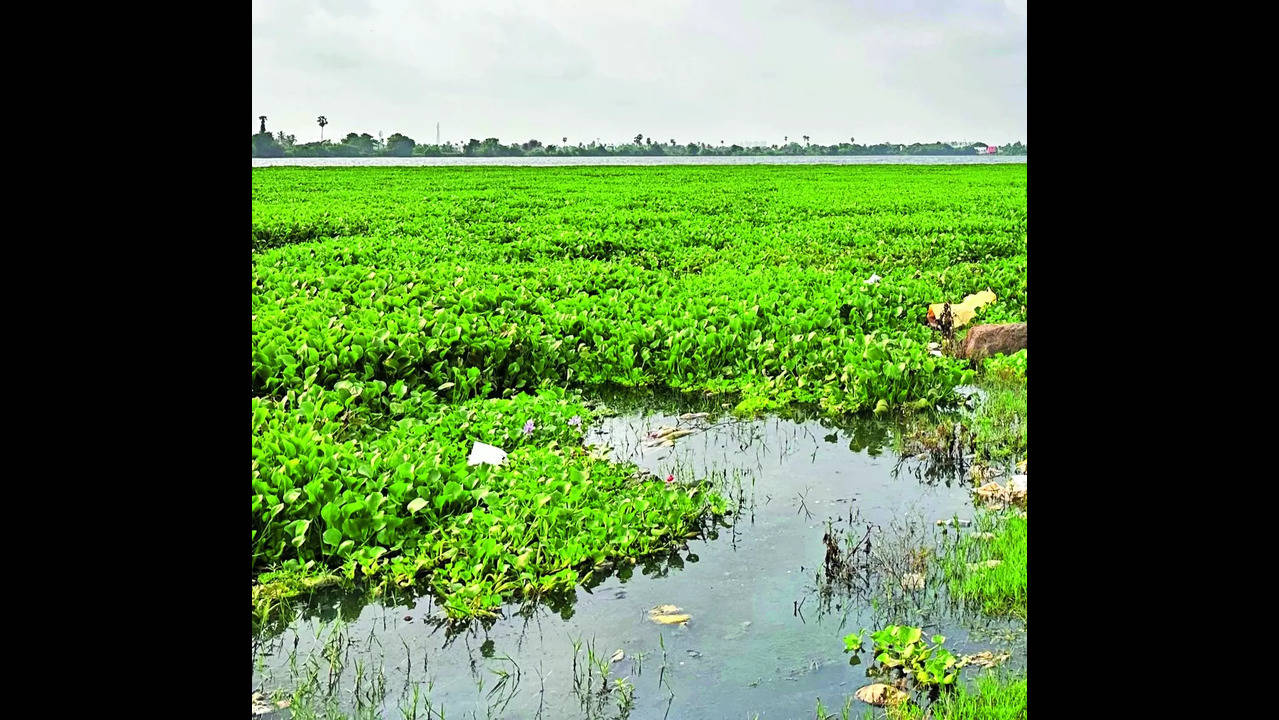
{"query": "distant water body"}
pixel 647 160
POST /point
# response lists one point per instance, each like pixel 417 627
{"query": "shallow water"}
pixel 648 160
pixel 759 641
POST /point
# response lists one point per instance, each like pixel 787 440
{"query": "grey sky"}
pixel 707 70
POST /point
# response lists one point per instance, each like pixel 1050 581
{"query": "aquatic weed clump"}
pixel 743 280
pixel 401 504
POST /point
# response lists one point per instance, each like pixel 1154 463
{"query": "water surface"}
pixel 760 640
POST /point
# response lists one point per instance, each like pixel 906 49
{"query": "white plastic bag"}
pixel 486 454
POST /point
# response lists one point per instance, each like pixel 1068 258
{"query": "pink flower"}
pixel 670 479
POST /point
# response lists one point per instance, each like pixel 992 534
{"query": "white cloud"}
pixel 874 69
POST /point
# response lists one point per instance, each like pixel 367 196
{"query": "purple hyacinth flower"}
pixel 528 428
pixel 575 421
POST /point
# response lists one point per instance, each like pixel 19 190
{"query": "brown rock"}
pixel 984 341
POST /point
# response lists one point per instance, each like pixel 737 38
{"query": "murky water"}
pixel 760 642
pixel 648 160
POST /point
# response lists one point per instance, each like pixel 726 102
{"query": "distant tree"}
pixel 805 139
pixel 852 141
pixel 399 145
pixel 265 146
pixel 362 144
pixel 786 138
pixel 564 139
pixel 262 129
pixel 639 138
pixel 322 121
pixel 285 140
pixel 692 148
pixel 672 141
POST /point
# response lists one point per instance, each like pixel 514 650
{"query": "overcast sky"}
pixel 705 70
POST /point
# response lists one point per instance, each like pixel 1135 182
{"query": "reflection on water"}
pixel 646 160
pixel 764 635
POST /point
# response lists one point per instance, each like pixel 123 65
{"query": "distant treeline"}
pixel 397 145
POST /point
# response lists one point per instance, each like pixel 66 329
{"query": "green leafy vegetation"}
pixel 988 565
pixel 997 696
pixel 902 649
pixel 1007 368
pixel 331 489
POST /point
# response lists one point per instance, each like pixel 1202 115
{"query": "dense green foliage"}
pixel 365 145
pixel 375 480
pixel 998 590
pixel 401 314
pixel 997 696
pixel 999 426
pixel 902 649
pixel 1007 368
pixel 727 279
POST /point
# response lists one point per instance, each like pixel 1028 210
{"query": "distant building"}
pixel 991 149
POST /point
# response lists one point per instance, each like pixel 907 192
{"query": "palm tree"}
pixel 805 139
pixel 262 118
pixel 322 121
pixel 564 139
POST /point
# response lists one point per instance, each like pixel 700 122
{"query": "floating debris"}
pixel 963 312
pixel 881 695
pixel 483 454
pixel 985 659
pixel 913 581
pixel 668 615
pixel 666 436
pixel 260 707
pixel 872 280
pixel 954 523
pixel 694 416
pixel 998 496
pixel 617 656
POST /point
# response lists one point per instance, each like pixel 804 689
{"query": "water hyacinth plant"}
pixel 399 317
